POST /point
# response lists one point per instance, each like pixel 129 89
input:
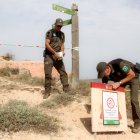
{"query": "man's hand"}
pixel 116 85
pixel 130 76
pixel 63 53
pixel 55 56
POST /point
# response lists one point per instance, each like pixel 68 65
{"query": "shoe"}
pixel 136 128
pixel 45 96
pixel 66 88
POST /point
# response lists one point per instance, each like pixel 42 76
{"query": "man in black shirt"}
pixel 123 73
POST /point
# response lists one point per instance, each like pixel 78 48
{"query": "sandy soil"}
pixel 76 118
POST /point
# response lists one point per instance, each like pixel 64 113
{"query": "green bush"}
pixel 17 115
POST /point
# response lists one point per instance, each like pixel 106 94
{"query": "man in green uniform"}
pixel 123 73
pixel 53 56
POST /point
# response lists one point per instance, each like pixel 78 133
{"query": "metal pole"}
pixel 75 48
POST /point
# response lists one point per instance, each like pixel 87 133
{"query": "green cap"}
pixel 59 22
pixel 101 68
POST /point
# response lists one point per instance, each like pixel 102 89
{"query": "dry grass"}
pixel 8 71
pixel 58 101
pixel 33 81
pixel 84 88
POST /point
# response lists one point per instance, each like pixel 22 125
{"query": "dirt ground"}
pixel 76 117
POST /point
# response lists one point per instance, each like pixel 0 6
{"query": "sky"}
pixel 107 30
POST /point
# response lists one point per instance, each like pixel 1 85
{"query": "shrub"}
pixel 8 56
pixel 5 71
pixel 14 71
pixel 8 71
pixel 34 81
pixel 17 115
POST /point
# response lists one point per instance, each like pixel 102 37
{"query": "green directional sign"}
pixel 67 22
pixel 63 9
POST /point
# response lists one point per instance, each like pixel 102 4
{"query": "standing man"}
pixel 53 56
pixel 123 73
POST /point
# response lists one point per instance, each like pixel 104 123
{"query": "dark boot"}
pixel 66 88
pixel 136 128
pixel 46 94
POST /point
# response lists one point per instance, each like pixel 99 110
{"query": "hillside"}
pixel 75 117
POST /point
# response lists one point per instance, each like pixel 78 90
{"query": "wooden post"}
pixel 75 48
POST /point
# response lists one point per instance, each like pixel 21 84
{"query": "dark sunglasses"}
pixel 59 26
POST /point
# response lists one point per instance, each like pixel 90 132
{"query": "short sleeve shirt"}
pixel 56 39
pixel 120 68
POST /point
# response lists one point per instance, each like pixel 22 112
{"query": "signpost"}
pixel 75 48
pixel 75 40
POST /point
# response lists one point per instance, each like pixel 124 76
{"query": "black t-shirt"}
pixel 120 68
pixel 56 39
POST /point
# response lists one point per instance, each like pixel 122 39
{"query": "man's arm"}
pixel 63 49
pixel 49 48
pixel 129 77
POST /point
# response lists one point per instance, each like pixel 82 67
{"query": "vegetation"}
pixel 84 88
pixel 58 101
pixel 34 81
pixel 17 115
pixel 24 78
pixel 7 71
pixel 8 56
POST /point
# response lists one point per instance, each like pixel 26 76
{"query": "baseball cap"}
pixel 59 22
pixel 101 68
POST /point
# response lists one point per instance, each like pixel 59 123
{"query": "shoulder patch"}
pixel 125 68
pixel 54 34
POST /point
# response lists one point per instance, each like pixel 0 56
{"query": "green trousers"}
pixel 49 63
pixel 134 85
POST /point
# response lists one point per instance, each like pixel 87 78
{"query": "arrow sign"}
pixel 63 9
pixel 67 22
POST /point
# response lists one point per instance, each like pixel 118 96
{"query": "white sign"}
pixel 110 108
